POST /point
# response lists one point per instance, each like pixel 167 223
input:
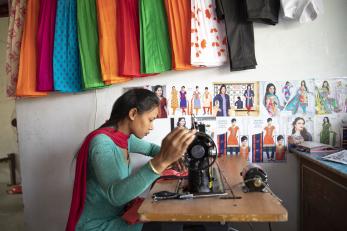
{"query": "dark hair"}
pixel 268 120
pixel 303 81
pixel 220 88
pixel 325 117
pixel 196 87
pixel 179 119
pixel 157 87
pixel 304 132
pixel 250 87
pixel 238 97
pixel 141 99
pixel 327 85
pixel 267 91
pixel 233 120
pixel 243 138
pixel 280 137
pixel 206 88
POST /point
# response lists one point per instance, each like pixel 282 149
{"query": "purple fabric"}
pixel 45 39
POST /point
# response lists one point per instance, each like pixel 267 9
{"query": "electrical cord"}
pixel 270 228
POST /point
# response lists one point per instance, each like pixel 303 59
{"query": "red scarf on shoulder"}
pixel 80 184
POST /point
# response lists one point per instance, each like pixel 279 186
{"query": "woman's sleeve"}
pixel 141 146
pixel 111 171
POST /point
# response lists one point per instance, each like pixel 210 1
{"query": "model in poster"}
pixel 280 148
pixel 249 95
pixel 327 134
pixel 239 103
pixel 183 100
pixel 300 100
pixel 233 138
pixel 158 89
pixel 244 148
pixel 269 143
pixel 325 104
pixel 174 99
pixel 181 122
pixel 196 100
pixel 271 101
pixel 223 100
pixel 207 102
pixel 299 132
pixel 341 96
pixel 286 91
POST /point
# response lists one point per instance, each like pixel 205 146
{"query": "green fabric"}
pixel 88 44
pixel 325 133
pixel 155 48
pixel 110 185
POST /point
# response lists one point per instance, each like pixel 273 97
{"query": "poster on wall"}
pixel 301 129
pixel 331 96
pixel 187 99
pixel 236 99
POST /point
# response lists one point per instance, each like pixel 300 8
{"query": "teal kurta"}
pixel 109 183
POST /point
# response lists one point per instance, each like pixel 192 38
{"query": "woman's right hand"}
pixel 173 147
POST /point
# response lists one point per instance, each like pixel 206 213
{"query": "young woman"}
pixel 223 101
pixel 299 132
pixel 269 143
pixel 162 102
pixel 103 183
pixel 271 101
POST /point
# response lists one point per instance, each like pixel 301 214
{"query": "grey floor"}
pixel 11 206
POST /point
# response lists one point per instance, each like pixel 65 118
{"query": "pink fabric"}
pixel 80 184
pixel 14 39
pixel 45 40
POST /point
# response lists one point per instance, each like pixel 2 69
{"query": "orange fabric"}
pixel 232 139
pixel 106 12
pixel 26 85
pixel 244 152
pixel 268 139
pixel 178 15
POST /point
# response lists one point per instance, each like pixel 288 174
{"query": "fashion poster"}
pixel 330 96
pixel 274 96
pixel 189 99
pixel 301 98
pixel 327 130
pixel 236 99
pixel 301 129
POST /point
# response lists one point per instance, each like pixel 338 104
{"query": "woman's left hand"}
pixel 179 166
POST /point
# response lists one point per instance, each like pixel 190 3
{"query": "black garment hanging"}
pixel 239 32
pixel 263 11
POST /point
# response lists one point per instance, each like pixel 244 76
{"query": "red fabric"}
pixel 131 216
pixel 80 184
pixel 128 38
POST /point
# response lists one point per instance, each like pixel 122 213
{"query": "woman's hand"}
pixel 173 147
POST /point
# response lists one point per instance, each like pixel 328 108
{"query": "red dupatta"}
pixel 80 184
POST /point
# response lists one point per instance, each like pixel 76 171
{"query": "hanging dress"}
pixel 208 37
pixel 232 138
pixel 155 51
pixel 45 40
pixel 268 137
pixel 14 41
pixel 178 16
pixel 239 32
pixel 66 58
pixel 174 99
pixel 88 44
pixel 107 25
pixel 26 85
pixel 128 38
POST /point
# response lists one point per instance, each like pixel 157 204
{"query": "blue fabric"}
pixel 66 60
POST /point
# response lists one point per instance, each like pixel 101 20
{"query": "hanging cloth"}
pixel 14 40
pixel 88 44
pixel 154 37
pixel 80 183
pixel 239 32
pixel 302 10
pixel 208 37
pixel 45 39
pixel 263 11
pixel 26 85
pixel 106 12
pixel 178 15
pixel 66 59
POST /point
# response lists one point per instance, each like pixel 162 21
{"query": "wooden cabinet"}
pixel 323 198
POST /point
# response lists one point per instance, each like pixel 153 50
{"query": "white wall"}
pixel 51 128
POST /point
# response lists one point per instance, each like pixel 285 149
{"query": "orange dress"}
pixel 244 152
pixel 26 85
pixel 106 12
pixel 178 15
pixel 280 152
pixel 268 137
pixel 232 139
